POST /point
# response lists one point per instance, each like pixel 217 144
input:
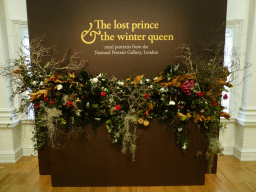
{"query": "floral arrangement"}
pixel 66 101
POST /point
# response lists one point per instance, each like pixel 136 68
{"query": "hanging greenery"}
pixel 69 100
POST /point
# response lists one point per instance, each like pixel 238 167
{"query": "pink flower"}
pixel 51 102
pixel 214 103
pixel 69 103
pixel 36 105
pixel 103 94
pixel 117 107
pixel 200 94
pixel 186 86
pixel 225 96
pixel 146 96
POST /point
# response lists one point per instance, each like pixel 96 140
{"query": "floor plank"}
pixel 232 176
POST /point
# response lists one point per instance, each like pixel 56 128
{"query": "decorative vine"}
pixel 67 98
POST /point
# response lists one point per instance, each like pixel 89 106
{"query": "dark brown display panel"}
pixel 96 161
pixel 93 160
pixel 44 161
pixel 190 22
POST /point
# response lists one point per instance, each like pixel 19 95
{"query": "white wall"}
pixel 239 137
pixel 236 9
pixel 15 140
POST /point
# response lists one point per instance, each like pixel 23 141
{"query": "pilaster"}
pixel 245 136
pixel 10 133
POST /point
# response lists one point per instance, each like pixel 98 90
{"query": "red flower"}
pixel 69 103
pixel 214 103
pixel 36 105
pixel 103 94
pixel 146 112
pixel 200 94
pixel 46 98
pixel 117 107
pixel 225 96
pixel 51 102
pixel 146 96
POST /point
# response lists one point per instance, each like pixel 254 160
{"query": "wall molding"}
pixel 9 124
pixel 18 26
pixel 228 121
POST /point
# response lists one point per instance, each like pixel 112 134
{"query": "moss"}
pixel 214 148
pixel 130 134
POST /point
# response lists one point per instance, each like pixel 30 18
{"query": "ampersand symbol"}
pixel 85 32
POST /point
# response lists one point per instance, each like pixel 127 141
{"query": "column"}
pixel 245 135
pixel 10 134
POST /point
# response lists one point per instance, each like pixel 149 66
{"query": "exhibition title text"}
pixel 89 36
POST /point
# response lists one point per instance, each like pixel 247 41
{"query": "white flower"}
pixel 97 119
pixel 155 78
pixel 162 90
pixel 104 89
pixel 94 80
pixel 176 67
pixel 100 75
pixel 141 82
pixel 41 83
pixel 184 146
pixel 59 87
pixel 78 112
pixel 34 82
pixel 148 80
pixel 151 86
pixel 168 78
pixel 171 103
pixel 120 83
pixel 166 110
pixel 180 129
pixel 102 79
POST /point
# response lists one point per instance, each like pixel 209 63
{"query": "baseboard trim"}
pixel 228 151
pixel 29 152
pixel 245 154
pixel 11 156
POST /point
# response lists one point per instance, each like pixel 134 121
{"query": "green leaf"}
pixel 183 118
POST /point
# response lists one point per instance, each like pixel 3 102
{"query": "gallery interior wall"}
pixel 239 137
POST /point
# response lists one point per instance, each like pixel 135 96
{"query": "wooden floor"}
pixel 232 176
